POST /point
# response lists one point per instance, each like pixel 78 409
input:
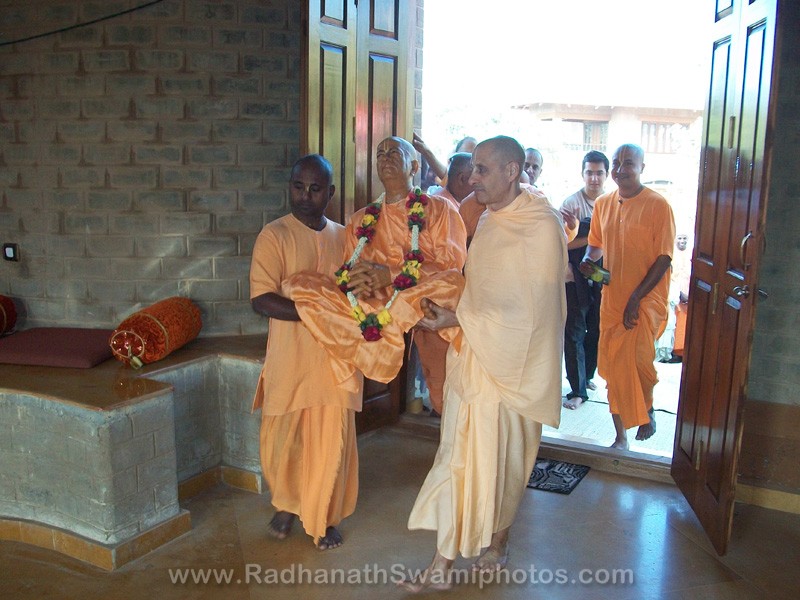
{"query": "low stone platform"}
pixel 93 462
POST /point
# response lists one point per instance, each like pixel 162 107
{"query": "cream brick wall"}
pixel 140 155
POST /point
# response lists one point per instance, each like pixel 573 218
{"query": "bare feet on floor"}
pixel 492 560
pixel 645 432
pixel 433 579
pixel 281 524
pixel 573 403
pixel 332 539
pixel 591 385
pixel 620 444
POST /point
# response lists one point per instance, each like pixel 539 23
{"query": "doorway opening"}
pixel 565 94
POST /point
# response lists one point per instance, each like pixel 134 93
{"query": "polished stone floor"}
pixel 611 525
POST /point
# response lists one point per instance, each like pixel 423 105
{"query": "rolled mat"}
pixel 8 315
pixel 153 332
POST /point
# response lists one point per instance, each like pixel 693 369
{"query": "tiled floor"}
pixel 609 522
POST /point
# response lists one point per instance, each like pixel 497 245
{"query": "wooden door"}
pixel 329 93
pixel 728 245
pixel 384 62
pixel 356 92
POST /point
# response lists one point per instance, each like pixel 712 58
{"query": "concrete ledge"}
pixel 108 557
pixel 93 462
pixel 238 478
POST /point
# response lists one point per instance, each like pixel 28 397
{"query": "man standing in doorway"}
pixel 582 331
pixel 633 230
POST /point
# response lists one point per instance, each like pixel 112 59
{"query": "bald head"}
pixel 627 164
pixel 458 175
pixel 636 152
pixel 496 167
pixel 396 161
pixel 505 150
pixel 404 145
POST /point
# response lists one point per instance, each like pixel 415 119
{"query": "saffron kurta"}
pixel 632 235
pixel 308 448
pixel 503 376
pixel 326 311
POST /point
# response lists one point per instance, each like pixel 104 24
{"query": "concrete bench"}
pixel 93 462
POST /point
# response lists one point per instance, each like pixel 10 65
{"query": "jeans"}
pixel 581 334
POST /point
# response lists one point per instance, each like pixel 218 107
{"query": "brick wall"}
pixel 775 363
pixel 140 156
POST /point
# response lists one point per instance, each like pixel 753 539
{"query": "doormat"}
pixel 556 476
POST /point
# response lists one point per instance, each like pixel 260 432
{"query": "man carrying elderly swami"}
pixel 401 248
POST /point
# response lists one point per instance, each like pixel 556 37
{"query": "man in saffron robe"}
pixel 308 438
pixel 326 310
pixel 503 369
pixel 633 230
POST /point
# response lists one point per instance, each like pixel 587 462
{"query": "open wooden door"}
pixel 728 246
pixel 356 92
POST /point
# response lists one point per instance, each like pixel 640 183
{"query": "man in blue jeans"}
pixel 582 329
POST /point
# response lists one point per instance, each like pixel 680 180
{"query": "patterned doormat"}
pixel 556 476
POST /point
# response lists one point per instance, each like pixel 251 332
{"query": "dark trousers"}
pixel 581 334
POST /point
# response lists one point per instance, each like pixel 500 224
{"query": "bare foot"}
pixel 573 403
pixel 435 578
pixel 620 444
pixel 492 560
pixel 332 539
pixel 281 524
pixel 645 432
pixel 591 385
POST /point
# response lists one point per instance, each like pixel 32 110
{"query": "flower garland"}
pixel 372 323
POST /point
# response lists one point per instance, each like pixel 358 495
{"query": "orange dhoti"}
pixel 625 359
pixel 681 312
pixel 310 461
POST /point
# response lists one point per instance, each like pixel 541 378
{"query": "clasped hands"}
pixel 366 278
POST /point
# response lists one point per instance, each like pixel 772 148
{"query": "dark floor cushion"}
pixel 56 347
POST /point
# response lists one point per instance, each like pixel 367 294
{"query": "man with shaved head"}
pixel 633 231
pixel 503 369
pixel 401 248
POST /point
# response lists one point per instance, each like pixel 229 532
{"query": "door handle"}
pixel 742 246
pixel 743 291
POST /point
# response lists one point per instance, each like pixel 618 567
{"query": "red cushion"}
pixel 56 347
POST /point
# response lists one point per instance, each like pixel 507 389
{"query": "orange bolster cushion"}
pixel 8 315
pixel 153 332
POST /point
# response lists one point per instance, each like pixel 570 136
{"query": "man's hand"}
pixel 631 315
pixel 436 317
pixel 570 220
pixel 366 278
pixel 420 146
pixel 585 267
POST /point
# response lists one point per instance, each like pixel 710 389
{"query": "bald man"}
pixel 633 231
pixel 504 369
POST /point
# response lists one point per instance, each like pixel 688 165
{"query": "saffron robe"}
pixel 632 235
pixel 503 376
pixel 327 313
pixel 308 444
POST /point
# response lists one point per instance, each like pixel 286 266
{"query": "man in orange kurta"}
pixel 633 230
pixel 308 439
pixel 503 369
pixel 326 310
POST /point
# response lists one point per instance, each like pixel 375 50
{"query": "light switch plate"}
pixel 11 252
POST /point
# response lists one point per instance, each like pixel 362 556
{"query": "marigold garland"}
pixel 372 323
